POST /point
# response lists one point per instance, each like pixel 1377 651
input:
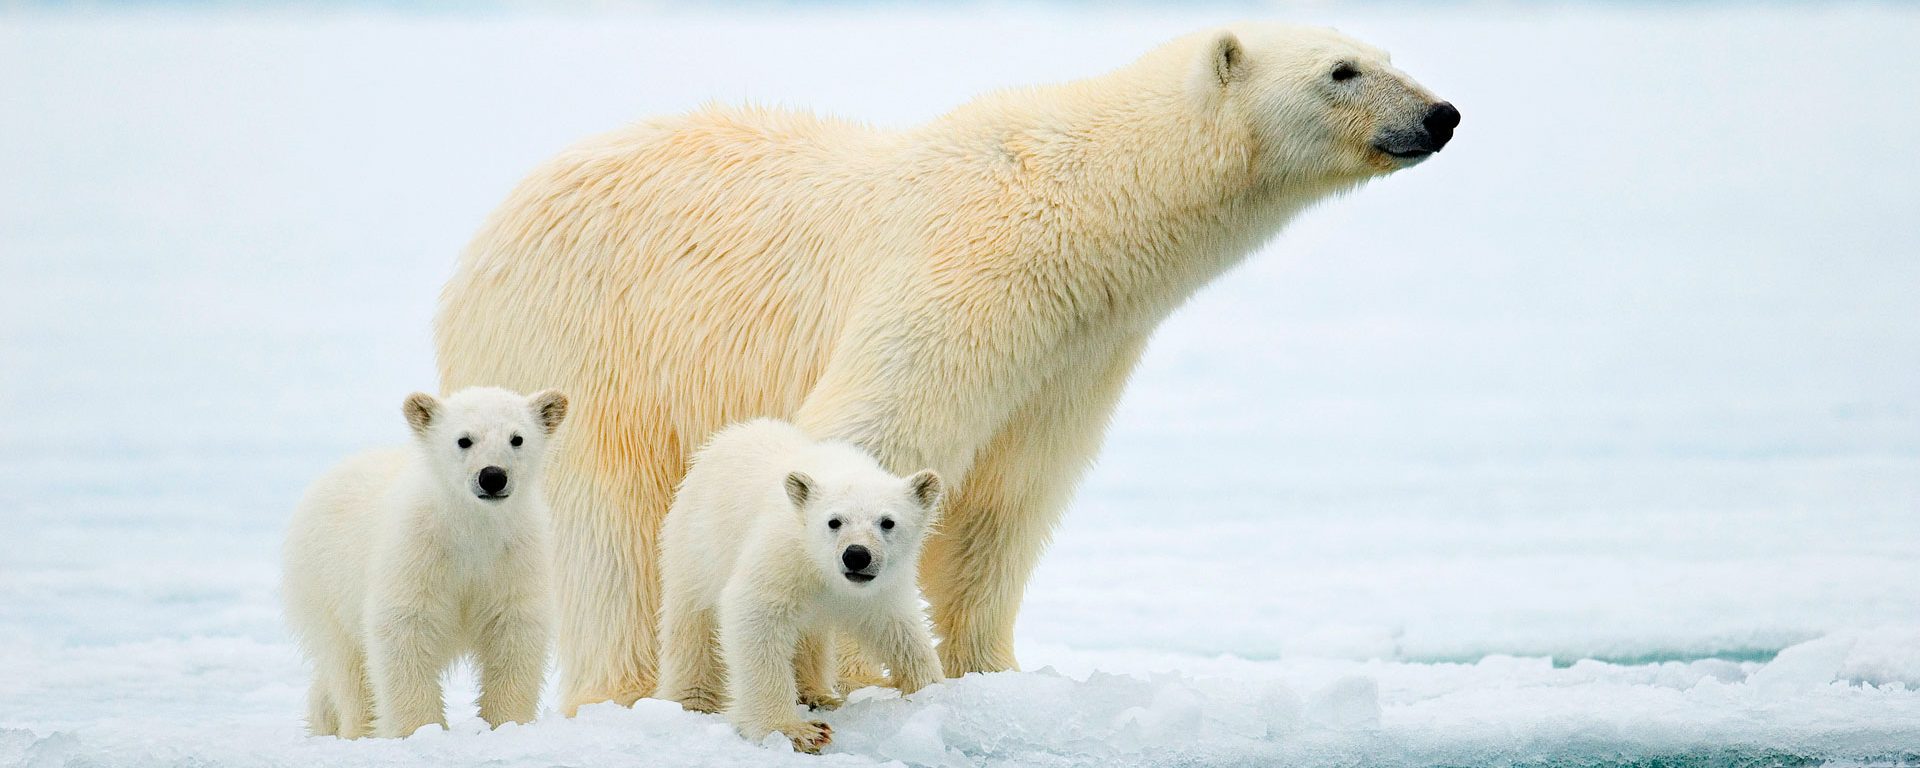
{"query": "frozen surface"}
pixel 1596 440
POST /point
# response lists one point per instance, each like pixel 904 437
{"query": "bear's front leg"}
pixel 405 655
pixel 512 656
pixel 758 639
pixel 997 522
pixel 814 665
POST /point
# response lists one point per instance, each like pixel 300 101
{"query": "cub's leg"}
pixel 813 664
pixel 406 652
pixel 758 639
pixel 512 656
pixel 691 670
pixel 341 680
pixel 321 719
pixel 903 642
pixel 856 670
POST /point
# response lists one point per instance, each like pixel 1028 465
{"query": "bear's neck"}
pixel 1129 186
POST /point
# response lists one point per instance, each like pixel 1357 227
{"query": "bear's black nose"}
pixel 493 480
pixel 856 558
pixel 1440 122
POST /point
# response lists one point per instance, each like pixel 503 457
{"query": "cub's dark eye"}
pixel 516 441
pixel 834 523
pixel 1344 71
pixel 465 443
pixel 886 523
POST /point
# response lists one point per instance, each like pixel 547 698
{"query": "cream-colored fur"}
pixel 755 581
pixel 396 565
pixel 968 295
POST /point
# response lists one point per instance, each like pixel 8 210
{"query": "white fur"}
pixel 968 295
pixel 395 567
pixel 754 582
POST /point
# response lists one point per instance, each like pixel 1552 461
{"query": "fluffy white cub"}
pixel 775 541
pixel 400 561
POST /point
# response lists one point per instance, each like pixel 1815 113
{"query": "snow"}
pixel 1595 440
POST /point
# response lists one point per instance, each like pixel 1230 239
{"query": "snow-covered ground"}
pixel 1596 440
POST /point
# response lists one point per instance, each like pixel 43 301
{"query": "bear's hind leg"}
pixel 607 510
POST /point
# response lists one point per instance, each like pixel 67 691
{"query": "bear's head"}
pixel 1317 105
pixel 865 530
pixel 485 441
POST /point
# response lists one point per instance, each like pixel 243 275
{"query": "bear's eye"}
pixel 516 441
pixel 834 523
pixel 886 523
pixel 464 443
pixel 1344 71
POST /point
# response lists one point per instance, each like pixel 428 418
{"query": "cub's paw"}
pixel 855 675
pixel 701 701
pixel 809 737
pixel 624 697
pixel 821 700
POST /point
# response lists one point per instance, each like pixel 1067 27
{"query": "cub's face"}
pixel 866 535
pixel 483 441
pixel 1318 104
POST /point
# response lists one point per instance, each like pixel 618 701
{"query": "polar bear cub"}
pixel 399 561
pixel 774 542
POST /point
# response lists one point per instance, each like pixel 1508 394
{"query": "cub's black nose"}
pixel 856 558
pixel 1440 122
pixel 493 479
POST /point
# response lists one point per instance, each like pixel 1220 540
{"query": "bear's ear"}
pixel 1226 58
pixel 927 488
pixel 799 487
pixel 420 410
pixel 550 407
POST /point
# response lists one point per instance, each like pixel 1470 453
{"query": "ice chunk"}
pixel 1883 657
pixel 1350 703
pixel 918 740
pixel 1809 665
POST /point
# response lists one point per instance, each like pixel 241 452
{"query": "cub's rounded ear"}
pixel 550 407
pixel 799 488
pixel 1226 58
pixel 420 409
pixel 927 488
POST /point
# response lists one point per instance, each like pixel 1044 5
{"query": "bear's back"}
pixel 705 244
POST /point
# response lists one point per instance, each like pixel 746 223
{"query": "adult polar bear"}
pixel 969 295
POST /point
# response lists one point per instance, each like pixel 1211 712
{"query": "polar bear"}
pixel 968 295
pixel 775 540
pixel 398 561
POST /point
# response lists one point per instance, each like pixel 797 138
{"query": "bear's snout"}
pixel 1411 144
pixel 1440 122
pixel 856 558
pixel 492 481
